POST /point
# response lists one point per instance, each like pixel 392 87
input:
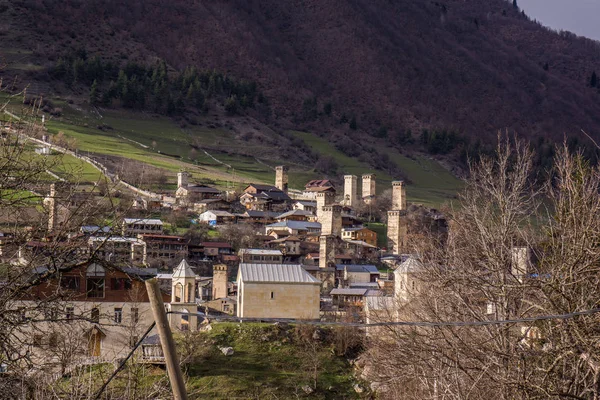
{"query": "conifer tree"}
pixel 594 80
pixel 94 93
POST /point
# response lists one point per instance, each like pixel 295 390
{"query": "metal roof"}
pixel 349 292
pixel 357 268
pixel 296 225
pixel 302 213
pixel 183 270
pixel 275 273
pixel 261 252
pixel 145 221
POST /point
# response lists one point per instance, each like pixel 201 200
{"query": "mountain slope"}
pixel 474 67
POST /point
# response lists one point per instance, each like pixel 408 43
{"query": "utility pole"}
pixel 166 340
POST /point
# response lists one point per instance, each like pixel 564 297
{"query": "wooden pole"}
pixel 166 340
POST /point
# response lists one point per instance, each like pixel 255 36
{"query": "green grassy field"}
pixel 160 142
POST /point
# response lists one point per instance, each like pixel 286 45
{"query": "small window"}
pixel 118 315
pixel 70 314
pixel 95 287
pixel 95 315
pixel 120 284
pixel 272 295
pixel 135 316
pixel 69 282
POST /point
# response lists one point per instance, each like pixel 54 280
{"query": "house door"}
pixel 95 344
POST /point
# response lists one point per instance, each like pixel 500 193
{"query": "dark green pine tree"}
pixel 515 5
pixel 594 80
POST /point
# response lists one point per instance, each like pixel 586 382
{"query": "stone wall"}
pixel 281 178
pixel 350 190
pixel 278 300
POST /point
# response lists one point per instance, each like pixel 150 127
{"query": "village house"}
pixel 296 215
pixel 216 251
pixel 211 204
pixel 216 217
pixel 317 186
pixel 132 227
pixel 105 312
pixel 306 205
pixel 265 198
pixel 161 250
pixel 294 227
pixel 349 274
pixel 257 217
pixel 260 256
pixel 289 246
pixel 187 193
pixel 343 298
pixel 118 249
pixel 361 234
pixel 277 291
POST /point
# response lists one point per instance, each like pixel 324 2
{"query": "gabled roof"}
pixel 275 273
pixel 269 192
pixel 261 252
pixel 307 203
pixel 301 213
pixel 183 270
pixel 298 225
pixel 202 189
pixel 218 213
pixel 318 183
pixel 261 214
pixel 349 292
pixel 145 221
pixel 357 268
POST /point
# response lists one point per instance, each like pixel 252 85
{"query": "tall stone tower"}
pixel 51 206
pixel 183 179
pixel 368 187
pixel 323 199
pixel 398 195
pixel 183 298
pixel 326 273
pixel 219 286
pixel 281 178
pixel 397 231
pixel 350 190
pixel 331 220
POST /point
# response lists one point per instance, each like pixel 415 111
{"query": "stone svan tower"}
pixel 326 272
pixel 331 220
pixel 398 195
pixel 368 187
pixel 397 231
pixel 183 179
pixel 324 199
pixel 281 178
pixel 350 190
pixel 219 286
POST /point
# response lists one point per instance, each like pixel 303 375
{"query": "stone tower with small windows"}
pixel 281 178
pixel 219 286
pixel 350 190
pixel 397 224
pixel 324 199
pixel 183 298
pixel 183 179
pixel 331 220
pixel 368 188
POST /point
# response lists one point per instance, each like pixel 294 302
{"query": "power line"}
pixel 397 323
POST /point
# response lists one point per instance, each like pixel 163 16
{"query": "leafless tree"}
pixel 485 272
